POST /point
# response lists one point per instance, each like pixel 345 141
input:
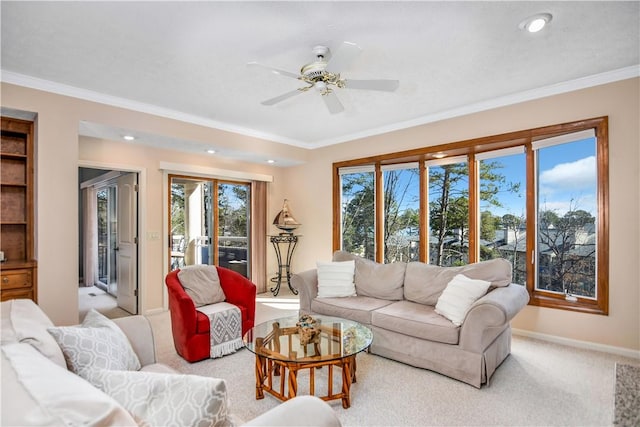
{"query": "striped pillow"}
pixel 335 279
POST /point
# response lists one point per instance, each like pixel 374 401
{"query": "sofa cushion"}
pixel 38 392
pixel 23 321
pixel 157 399
pixel 424 283
pixel 458 296
pixel 376 280
pixel 416 320
pixel 335 279
pixel 96 343
pixel 202 284
pixel 356 308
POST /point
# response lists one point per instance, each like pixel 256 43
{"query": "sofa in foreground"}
pixel 451 320
pixel 105 373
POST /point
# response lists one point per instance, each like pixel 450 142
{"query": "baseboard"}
pixel 620 351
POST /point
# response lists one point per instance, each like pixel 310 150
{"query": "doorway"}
pixel 108 230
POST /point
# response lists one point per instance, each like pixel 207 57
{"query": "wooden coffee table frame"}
pixel 271 362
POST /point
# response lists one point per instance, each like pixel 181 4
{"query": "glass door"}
pixel 107 238
pixel 209 223
pixel 234 210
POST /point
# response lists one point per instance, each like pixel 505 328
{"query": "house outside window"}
pixel 537 197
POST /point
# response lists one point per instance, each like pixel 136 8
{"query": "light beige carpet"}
pixel 540 384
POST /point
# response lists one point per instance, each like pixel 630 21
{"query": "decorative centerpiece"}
pixel 285 220
pixel 308 330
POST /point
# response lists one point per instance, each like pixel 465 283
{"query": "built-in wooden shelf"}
pixel 18 272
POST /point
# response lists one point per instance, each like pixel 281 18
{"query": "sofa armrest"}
pixel 488 316
pixel 299 411
pixel 306 283
pixel 138 331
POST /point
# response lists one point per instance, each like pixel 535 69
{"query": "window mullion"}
pixel 531 218
pixel 474 209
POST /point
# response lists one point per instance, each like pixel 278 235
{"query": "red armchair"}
pixel 190 328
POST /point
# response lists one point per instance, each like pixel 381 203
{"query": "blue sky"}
pixel 567 179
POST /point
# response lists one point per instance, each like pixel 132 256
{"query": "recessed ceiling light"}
pixel 271 161
pixel 129 137
pixel 535 23
pixel 211 151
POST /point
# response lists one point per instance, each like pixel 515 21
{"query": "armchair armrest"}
pixel 138 331
pixel 489 314
pixel 181 307
pixel 306 283
pixel 239 291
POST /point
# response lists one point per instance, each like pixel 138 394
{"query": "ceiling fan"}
pixel 323 74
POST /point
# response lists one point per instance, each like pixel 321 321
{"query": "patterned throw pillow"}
pixel 96 343
pixel 159 399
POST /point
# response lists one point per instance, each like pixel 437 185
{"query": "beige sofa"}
pixel 38 388
pixel 398 302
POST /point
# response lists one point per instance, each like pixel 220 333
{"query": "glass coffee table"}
pixel 278 351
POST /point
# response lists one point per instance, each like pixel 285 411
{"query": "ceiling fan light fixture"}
pixel 535 23
pixel 320 86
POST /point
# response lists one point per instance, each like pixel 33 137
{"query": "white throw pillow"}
pixel 160 399
pixel 335 279
pixel 458 296
pixel 202 284
pixel 96 343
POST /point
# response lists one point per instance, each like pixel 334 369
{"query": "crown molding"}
pixel 114 101
pixel 529 95
pixel 503 101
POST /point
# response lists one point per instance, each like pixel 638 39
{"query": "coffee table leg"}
pixel 346 382
pixel 261 366
pixel 293 383
pixel 353 370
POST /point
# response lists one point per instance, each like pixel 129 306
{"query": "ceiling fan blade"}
pixel 274 70
pixel 386 85
pixel 282 97
pixel 333 103
pixel 342 57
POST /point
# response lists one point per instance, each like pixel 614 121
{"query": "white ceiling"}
pixel 187 60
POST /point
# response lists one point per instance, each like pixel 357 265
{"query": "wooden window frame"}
pixel 470 148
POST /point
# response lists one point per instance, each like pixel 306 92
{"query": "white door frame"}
pixel 142 215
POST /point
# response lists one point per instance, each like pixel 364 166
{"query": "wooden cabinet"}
pixel 18 270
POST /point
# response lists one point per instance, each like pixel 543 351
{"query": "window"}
pixel 401 186
pixel 566 178
pixel 538 198
pixel 357 211
pixel 502 175
pixel 448 195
